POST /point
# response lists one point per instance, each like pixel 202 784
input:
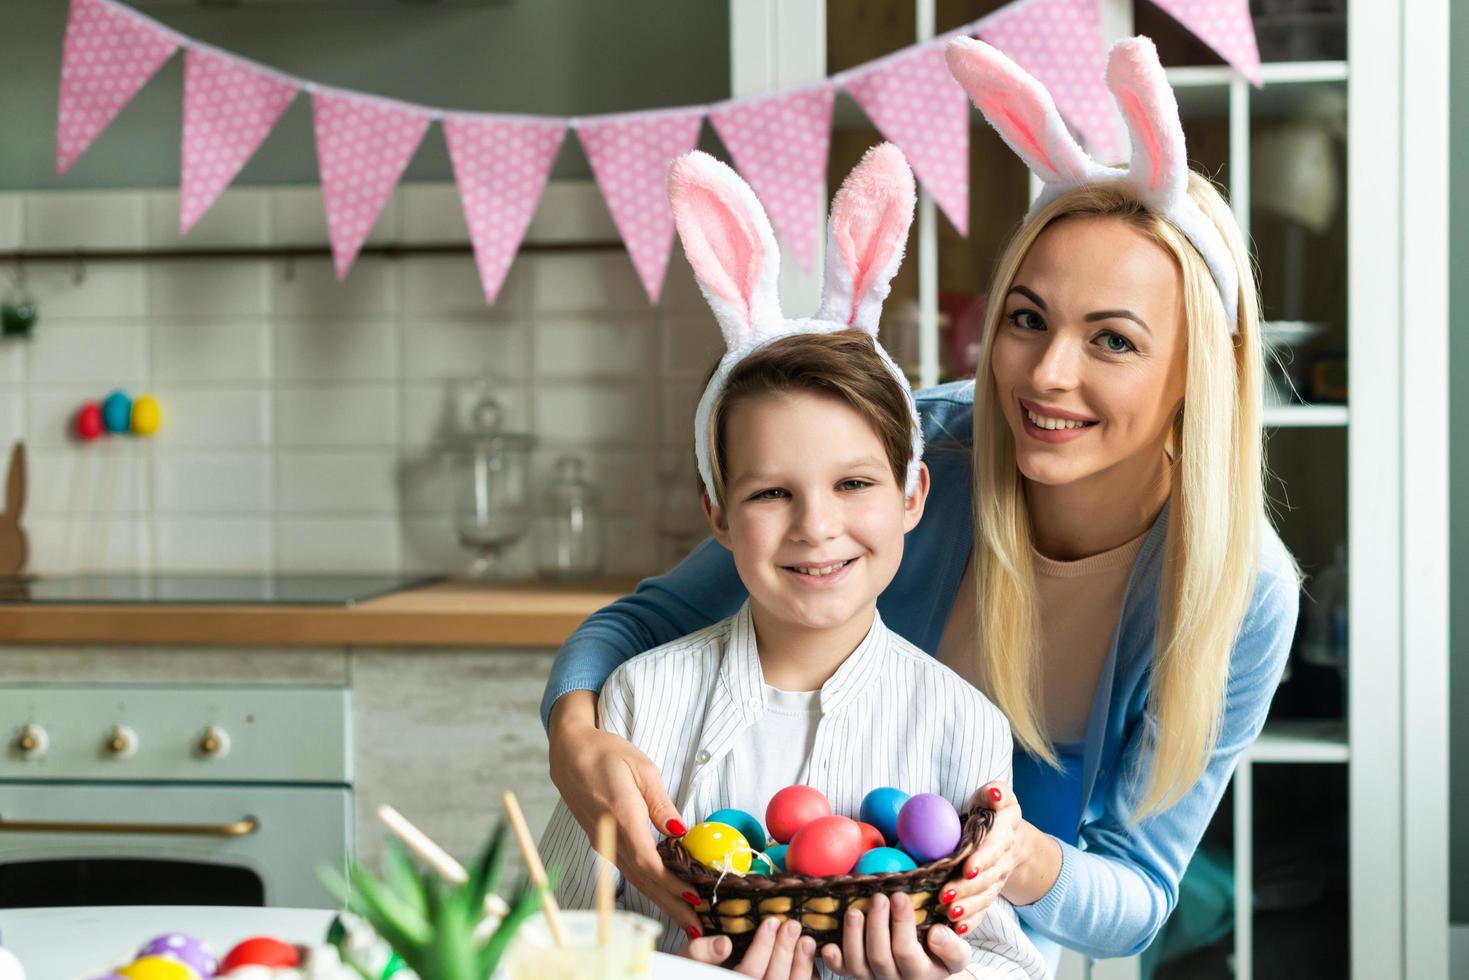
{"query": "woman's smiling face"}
pixel 1088 358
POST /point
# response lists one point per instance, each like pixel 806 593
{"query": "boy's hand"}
pixel 883 945
pixel 775 953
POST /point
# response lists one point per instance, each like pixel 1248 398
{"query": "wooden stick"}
pixel 435 856
pixel 534 866
pixel 607 848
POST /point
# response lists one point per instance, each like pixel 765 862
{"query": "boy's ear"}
pixel 913 504
pixel 718 523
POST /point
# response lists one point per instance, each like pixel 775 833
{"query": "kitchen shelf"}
pixel 1306 416
pixel 1301 741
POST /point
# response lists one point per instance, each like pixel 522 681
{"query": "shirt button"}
pixel 755 704
pixel 701 757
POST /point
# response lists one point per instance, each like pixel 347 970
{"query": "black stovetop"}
pixel 271 588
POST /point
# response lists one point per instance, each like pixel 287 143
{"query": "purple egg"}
pixel 928 827
pixel 185 948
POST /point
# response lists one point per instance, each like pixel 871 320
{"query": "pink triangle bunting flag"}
pixel 229 109
pixel 362 148
pixel 501 167
pixel 781 145
pixel 914 102
pixel 1225 26
pixel 1060 42
pixel 109 54
pixel 630 156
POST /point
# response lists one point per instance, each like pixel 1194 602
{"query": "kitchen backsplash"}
pixel 304 417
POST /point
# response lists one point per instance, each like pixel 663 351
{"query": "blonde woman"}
pixel 1095 554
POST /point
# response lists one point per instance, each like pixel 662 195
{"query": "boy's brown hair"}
pixel 844 365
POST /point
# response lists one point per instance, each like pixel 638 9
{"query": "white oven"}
pixel 122 795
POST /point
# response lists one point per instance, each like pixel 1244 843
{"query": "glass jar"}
pixel 572 535
pixel 492 494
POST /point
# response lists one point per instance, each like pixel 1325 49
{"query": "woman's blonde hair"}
pixel 1216 517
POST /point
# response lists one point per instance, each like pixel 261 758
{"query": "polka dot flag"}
pixel 1225 26
pixel 1060 43
pixel 109 54
pixel 362 148
pixel 501 166
pixel 630 156
pixel 914 102
pixel 780 145
pixel 229 109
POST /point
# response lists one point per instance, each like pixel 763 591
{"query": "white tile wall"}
pixel 305 418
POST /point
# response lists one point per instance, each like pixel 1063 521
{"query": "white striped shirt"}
pixel 891 715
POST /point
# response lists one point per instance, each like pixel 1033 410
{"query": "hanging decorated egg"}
pixel 117 412
pixel 743 822
pixel 88 423
pixel 260 951
pixel 928 827
pixel 718 847
pixel 883 860
pixel 880 808
pixel 825 846
pixel 147 416
pixel 791 809
pixel 157 968
pixel 184 948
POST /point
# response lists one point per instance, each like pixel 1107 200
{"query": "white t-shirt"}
pixel 773 754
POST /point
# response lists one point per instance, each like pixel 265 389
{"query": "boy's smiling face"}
pixel 813 514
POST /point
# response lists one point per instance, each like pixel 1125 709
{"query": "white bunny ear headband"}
pixel 1025 116
pixel 730 244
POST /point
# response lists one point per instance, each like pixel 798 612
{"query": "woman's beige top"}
pixel 1079 605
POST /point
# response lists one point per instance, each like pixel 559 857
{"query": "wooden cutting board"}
pixel 12 538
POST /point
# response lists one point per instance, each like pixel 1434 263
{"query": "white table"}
pixel 79 943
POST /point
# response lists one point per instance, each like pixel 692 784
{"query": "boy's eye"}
pixel 1026 320
pixel 774 493
pixel 854 484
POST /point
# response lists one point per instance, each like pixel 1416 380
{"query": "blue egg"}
pixel 747 825
pixel 882 860
pixel 777 853
pixel 117 412
pixel 880 808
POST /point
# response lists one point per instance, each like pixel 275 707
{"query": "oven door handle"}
pixel 243 827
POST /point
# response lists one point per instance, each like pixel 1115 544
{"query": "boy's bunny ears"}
pixel 1025 116
pixel 730 244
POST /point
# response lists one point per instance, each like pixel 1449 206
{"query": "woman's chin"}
pixel 1047 469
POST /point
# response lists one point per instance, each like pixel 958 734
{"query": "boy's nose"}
pixel 816 521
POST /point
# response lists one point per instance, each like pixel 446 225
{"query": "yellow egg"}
pixel 157 968
pixel 718 847
pixel 147 415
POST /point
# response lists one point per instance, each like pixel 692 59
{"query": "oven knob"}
pixel 32 741
pixel 214 743
pixel 122 742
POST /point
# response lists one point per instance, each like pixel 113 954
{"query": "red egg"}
pixel 825 846
pixel 791 809
pixel 260 951
pixel 89 422
pixel 871 837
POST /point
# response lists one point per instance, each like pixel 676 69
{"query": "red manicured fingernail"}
pixel 691 898
pixel 972 873
pixel 995 794
pixel 947 896
pixel 956 912
pixel 693 931
pixel 961 928
pixel 676 828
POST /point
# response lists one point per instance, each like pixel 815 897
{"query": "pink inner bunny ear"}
pixel 1140 86
pixel 1019 108
pixel 719 234
pixel 870 217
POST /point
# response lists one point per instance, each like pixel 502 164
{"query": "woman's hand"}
pixel 778 951
pixel 883 945
pixel 597 772
pixel 1014 860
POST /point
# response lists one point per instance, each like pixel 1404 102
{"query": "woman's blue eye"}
pixel 1026 320
pixel 1115 343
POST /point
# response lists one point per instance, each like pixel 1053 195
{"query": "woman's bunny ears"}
pixel 1023 113
pixel 731 247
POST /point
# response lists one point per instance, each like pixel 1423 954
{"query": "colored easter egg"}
pixel 184 948
pixel 871 836
pixel 88 422
pixel 157 968
pixel 147 416
pixel 718 847
pixel 791 809
pixel 825 846
pixel 883 860
pixel 743 822
pixel 117 412
pixel 777 855
pixel 880 808
pixel 928 827
pixel 260 951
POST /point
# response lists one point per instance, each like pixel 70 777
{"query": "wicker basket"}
pixel 820 904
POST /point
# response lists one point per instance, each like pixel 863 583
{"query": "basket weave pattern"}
pixel 736 905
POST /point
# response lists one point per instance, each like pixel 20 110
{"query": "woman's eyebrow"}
pixel 1030 295
pixel 1117 315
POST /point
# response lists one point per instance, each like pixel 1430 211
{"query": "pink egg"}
pixel 825 846
pixel 791 809
pixel 871 836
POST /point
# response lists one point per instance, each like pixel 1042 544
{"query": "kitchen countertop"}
pixel 443 614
